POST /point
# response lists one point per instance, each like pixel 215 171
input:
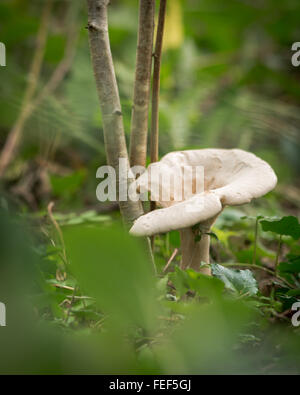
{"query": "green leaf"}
pixel 174 238
pixel 111 266
pixel 190 280
pixel 241 282
pixel 213 235
pixel 286 226
pixel 291 266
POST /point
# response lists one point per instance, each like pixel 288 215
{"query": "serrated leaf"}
pixel 241 282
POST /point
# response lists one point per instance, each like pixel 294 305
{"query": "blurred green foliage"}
pixel 103 311
pixel 80 293
pixel 226 79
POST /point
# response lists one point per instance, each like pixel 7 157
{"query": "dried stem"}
pixel 12 141
pixel 170 260
pixel 140 110
pixel 57 227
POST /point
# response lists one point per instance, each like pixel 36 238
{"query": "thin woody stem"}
pixel 156 82
pixel 140 110
pixel 154 136
pixel 108 93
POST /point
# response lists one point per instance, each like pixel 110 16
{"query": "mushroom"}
pixel 193 187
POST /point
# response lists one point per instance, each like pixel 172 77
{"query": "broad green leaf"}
pixel 286 226
pixel 241 282
pixel 189 280
pixel 111 267
pixel 291 266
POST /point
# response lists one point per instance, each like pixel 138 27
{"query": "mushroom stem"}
pixel 194 252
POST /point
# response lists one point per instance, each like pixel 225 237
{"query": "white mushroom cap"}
pixel 231 177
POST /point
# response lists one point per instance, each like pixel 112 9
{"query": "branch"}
pixel 156 81
pixel 140 110
pixel 113 127
pixel 155 88
pixel 14 135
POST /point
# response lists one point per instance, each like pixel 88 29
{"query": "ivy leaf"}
pixel 241 282
pixel 285 226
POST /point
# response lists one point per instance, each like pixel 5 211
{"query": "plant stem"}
pixel 255 241
pixel 156 82
pixel 140 110
pixel 278 254
pixel 57 227
pixel 109 99
pixel 154 138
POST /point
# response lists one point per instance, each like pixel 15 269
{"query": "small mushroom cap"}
pixel 230 177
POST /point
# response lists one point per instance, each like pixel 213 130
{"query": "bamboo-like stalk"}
pixel 141 96
pixel 113 126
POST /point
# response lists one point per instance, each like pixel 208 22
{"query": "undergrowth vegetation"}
pixel 81 295
pixel 92 287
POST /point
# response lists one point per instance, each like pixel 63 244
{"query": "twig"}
pixel 12 141
pixel 140 110
pixel 57 227
pixel 70 305
pixel 63 287
pixel 170 259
